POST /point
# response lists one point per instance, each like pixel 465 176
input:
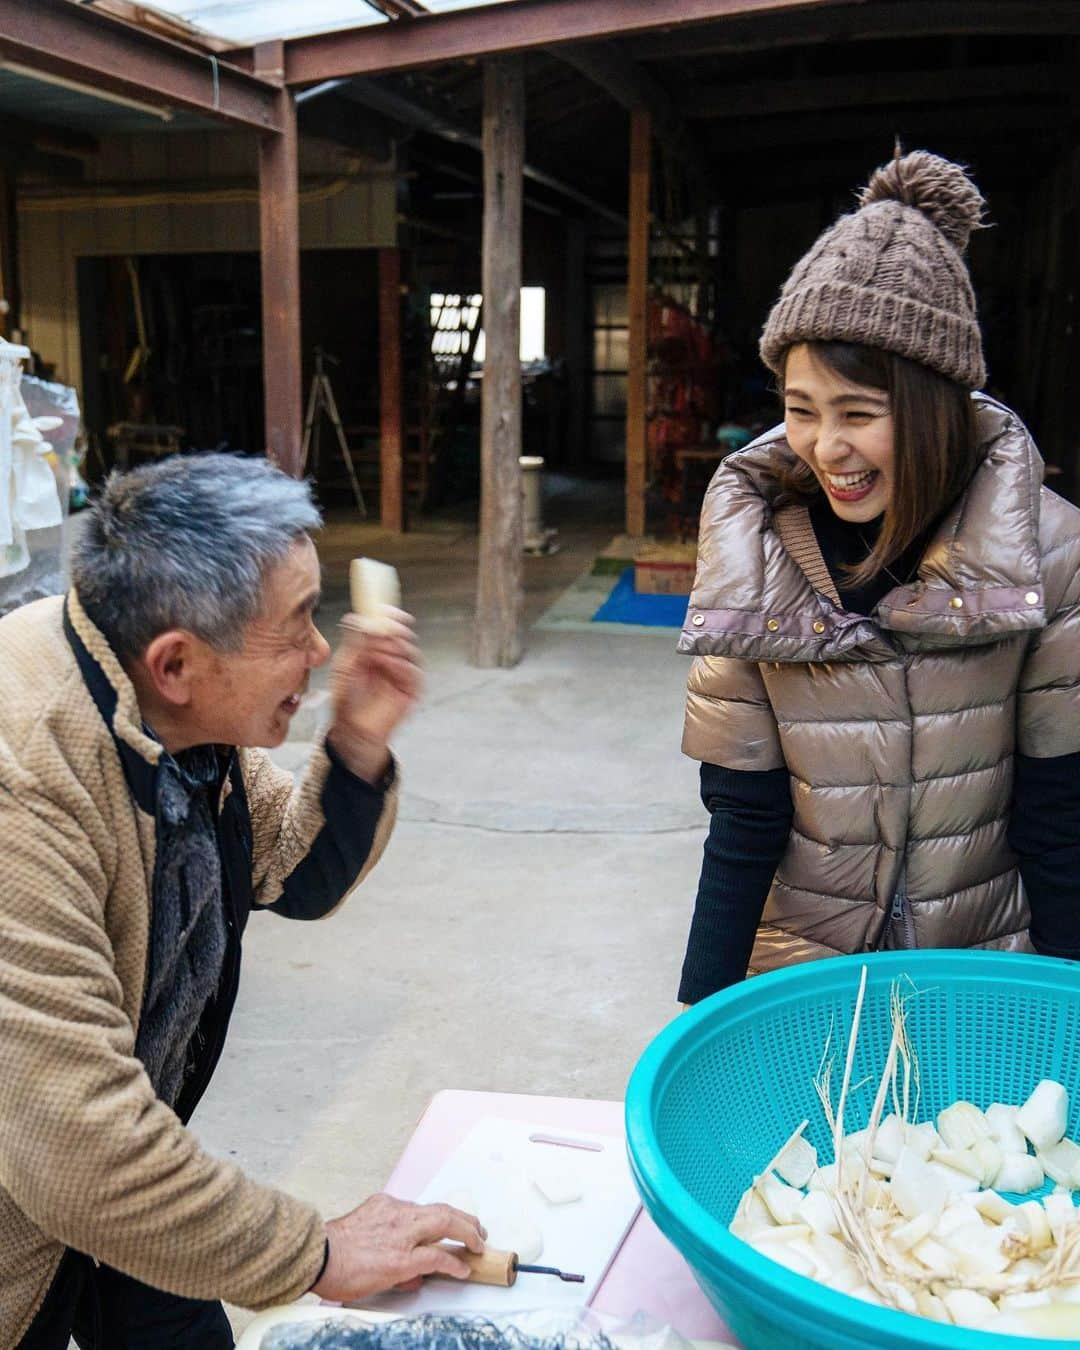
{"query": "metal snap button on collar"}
pixel 698 620
pixel 1032 598
pixel 819 627
pixel 773 625
pixel 956 602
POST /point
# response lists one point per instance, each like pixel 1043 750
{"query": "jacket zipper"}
pixel 901 914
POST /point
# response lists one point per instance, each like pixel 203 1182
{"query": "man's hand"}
pixel 374 683
pixel 392 1244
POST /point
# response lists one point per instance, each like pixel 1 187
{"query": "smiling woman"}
pixel 886 625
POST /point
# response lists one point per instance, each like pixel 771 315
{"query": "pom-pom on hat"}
pixel 892 273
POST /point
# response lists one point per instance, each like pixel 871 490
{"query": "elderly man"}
pixel 140 826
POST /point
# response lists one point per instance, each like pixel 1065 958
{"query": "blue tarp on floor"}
pixel 624 605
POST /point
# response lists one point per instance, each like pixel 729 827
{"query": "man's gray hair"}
pixel 186 543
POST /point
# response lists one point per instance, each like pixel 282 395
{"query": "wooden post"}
pixel 638 292
pixel 279 232
pixel 500 600
pixel 576 333
pixel 9 256
pixel 391 419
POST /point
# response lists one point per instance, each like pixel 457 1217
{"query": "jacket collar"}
pixel 979 581
pixel 114 697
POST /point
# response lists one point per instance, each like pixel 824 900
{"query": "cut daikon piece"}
pixel 992 1206
pixel 1061 1163
pixel 373 588
pixel 1027 1231
pixel 1026 1298
pixel 1019 1173
pixel 752 1215
pixel 1054 1321
pixel 960 1160
pixel 907 1235
pixel 929 1305
pixel 890 1139
pixel 955 1182
pixel 977 1249
pixel 783 1201
pixel 956 1215
pixel 1060 1212
pixel 962 1125
pixel 1044 1115
pixel 786 1254
pixel 989 1155
pixel 915 1189
pixel 867 1295
pixel 824 1179
pixel 1002 1121
pixel 797 1163
pixel 922 1139
pixel 968 1309
pixel 816 1209
pixel 557 1187
pixel 935 1257
pixel 858 1142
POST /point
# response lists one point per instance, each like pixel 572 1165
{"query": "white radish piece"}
pixel 906 1235
pixel 955 1182
pixel 929 1305
pixel 992 1206
pixel 1027 1298
pixel 816 1209
pixel 957 1214
pixel 890 1139
pixel 557 1187
pixel 783 1201
pixel 1002 1121
pixel 1060 1212
pixel 968 1309
pixel 373 588
pixel 786 1254
pixel 960 1160
pixel 1054 1322
pixel 977 1249
pixel 752 1215
pixel 934 1256
pixel 1061 1163
pixel 915 1189
pixel 989 1155
pixel 797 1163
pixel 962 1125
pixel 824 1179
pixel 922 1139
pixel 867 1295
pixel 1019 1173
pixel 515 1233
pixel 1045 1114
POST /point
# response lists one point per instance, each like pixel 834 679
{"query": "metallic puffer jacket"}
pixel 898 730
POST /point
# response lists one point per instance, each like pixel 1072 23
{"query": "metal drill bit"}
pixel 550 1270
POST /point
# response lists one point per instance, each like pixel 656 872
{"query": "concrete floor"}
pixel 524 930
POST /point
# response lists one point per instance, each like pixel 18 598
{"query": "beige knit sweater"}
pixel 89 1158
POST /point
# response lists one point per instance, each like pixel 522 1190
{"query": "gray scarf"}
pixel 187 922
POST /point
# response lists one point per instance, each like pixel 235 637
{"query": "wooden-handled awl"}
pixel 502 1268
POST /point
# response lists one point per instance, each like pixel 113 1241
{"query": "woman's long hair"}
pixel 936 446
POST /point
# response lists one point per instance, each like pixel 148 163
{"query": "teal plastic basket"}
pixel 720 1089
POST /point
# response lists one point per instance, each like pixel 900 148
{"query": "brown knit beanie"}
pixel 892 274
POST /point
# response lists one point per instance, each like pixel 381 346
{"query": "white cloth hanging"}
pixel 29 496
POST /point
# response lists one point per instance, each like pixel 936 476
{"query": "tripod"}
pixel 321 400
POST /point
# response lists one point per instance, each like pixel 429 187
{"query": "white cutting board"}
pixel 494 1166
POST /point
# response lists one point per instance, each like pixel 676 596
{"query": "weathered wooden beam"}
pixel 100 53
pixel 872 21
pixel 10 296
pixel 495 29
pixel 634 87
pixel 500 597
pixel 391 415
pixel 638 300
pixel 773 98
pixel 279 234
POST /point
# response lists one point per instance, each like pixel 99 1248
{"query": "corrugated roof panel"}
pixel 244 21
